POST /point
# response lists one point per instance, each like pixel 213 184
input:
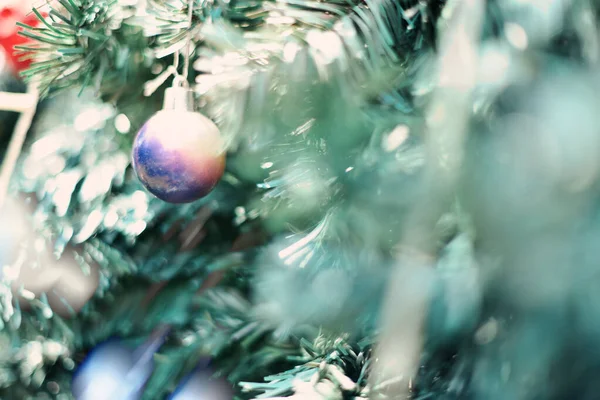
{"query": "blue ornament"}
pixel 178 155
pixel 115 371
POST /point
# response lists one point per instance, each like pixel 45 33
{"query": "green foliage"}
pixel 277 276
pixel 107 45
pixel 155 258
pixel 87 200
pixel 329 368
pixel 322 126
pixel 88 43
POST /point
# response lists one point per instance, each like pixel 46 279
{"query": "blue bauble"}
pixel 115 371
pixel 110 372
pixel 179 155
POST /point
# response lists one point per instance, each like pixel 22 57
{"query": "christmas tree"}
pixel 325 200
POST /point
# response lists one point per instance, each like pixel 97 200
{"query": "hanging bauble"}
pixel 179 154
pixel 114 371
pixel 201 385
pixel 32 270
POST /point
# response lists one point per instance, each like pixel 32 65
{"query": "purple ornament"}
pixel 179 156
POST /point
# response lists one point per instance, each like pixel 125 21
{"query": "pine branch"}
pixel 409 23
pixel 86 42
pixel 368 43
pixel 86 197
pixel 105 44
pixel 328 369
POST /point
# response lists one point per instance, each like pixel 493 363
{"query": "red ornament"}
pixel 9 37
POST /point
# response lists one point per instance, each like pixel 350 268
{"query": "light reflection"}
pixel 516 35
pixel 301 243
pixel 92 119
pixel 395 138
pixel 122 123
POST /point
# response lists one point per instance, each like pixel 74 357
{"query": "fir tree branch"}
pixel 329 368
pixel 95 38
pixel 91 41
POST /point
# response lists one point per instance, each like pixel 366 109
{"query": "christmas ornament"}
pixel 10 14
pixel 33 271
pixel 178 154
pixel 115 371
pixel 199 385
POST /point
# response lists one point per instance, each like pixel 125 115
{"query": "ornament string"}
pixel 176 61
pixel 173 70
pixel 188 47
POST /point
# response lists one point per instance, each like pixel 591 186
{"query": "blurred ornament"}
pixel 200 385
pixel 10 14
pixel 67 283
pixel 33 271
pixel 115 371
pixel 179 154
